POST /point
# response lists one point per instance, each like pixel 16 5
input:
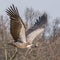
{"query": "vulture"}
pixel 21 37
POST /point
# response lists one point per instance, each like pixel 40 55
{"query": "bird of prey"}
pixel 18 29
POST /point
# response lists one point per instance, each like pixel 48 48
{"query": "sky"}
pixel 49 6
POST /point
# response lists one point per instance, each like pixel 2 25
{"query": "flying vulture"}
pixel 18 29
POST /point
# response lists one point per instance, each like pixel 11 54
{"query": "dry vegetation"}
pixel 46 50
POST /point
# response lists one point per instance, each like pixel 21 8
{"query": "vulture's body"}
pixel 18 30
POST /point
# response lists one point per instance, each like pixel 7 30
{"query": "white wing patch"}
pixel 22 34
pixel 34 34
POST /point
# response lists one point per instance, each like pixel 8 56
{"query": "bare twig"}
pixel 14 54
pixel 6 54
pixel 28 51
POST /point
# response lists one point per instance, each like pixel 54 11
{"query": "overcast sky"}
pixel 50 6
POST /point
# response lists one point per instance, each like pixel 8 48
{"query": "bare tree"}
pixel 31 15
pixel 56 26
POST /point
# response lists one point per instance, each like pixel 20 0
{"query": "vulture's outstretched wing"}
pixel 41 22
pixel 34 34
pixel 17 27
pixel 37 29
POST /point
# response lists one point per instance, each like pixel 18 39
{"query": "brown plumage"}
pixel 18 29
pixel 15 22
